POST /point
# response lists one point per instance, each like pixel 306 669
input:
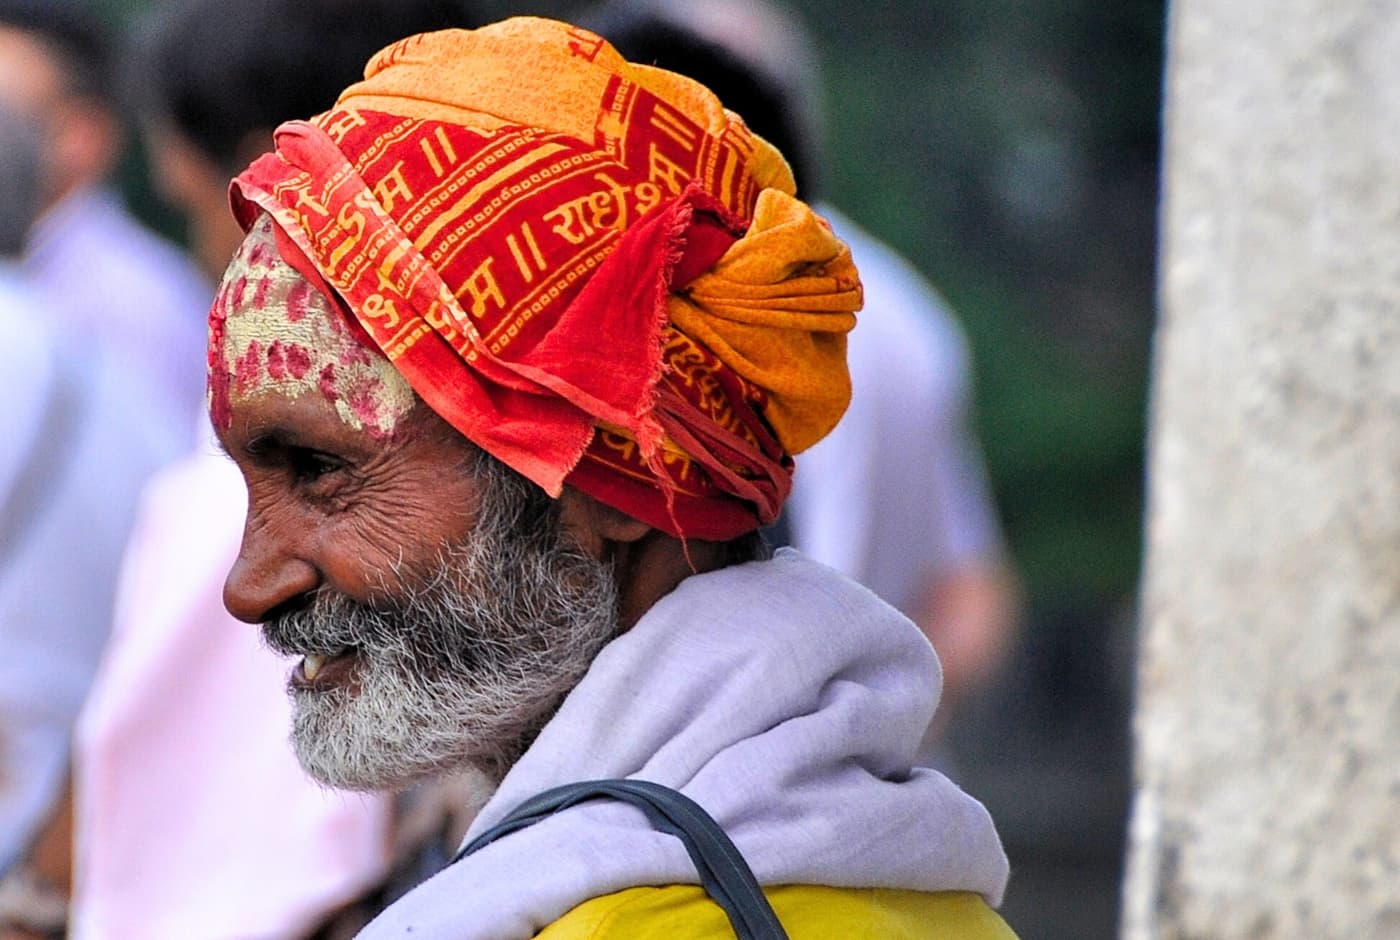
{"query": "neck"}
pixel 651 567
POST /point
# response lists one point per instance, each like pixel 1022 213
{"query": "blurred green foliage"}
pixel 1010 150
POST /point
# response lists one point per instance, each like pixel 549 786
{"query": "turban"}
pixel 589 268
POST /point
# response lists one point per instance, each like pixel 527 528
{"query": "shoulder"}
pixel 788 587
pixel 808 912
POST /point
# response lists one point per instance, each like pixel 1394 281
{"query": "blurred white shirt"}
pixel 898 490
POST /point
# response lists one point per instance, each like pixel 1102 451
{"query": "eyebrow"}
pixel 276 441
pixel 273 438
pixel 261 442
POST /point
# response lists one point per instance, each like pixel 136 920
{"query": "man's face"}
pixel 440 608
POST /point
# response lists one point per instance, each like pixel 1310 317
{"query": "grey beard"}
pixel 463 664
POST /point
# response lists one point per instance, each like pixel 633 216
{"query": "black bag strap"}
pixel 724 874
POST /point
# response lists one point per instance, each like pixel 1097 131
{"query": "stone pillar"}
pixel 1268 722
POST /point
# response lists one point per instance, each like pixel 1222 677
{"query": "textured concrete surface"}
pixel 1268 722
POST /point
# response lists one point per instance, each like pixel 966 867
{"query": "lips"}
pixel 321 671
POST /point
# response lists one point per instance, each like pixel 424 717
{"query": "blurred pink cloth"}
pixel 193 818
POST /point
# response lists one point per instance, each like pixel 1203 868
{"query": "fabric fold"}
pixel 554 264
pixel 791 712
pixel 789 292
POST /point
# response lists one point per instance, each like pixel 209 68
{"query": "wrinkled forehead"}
pixel 271 331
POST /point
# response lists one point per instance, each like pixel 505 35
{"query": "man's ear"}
pixel 593 524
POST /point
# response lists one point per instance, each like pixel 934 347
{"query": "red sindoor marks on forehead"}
pixel 272 332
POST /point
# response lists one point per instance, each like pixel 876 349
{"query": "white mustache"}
pixel 460 664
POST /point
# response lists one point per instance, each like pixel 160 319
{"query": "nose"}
pixel 271 570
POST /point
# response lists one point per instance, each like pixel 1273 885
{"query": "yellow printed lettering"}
pixel 344 124
pixel 391 187
pixel 535 263
pixel 665 170
pixel 304 198
pixel 376 306
pixel 352 224
pixel 482 286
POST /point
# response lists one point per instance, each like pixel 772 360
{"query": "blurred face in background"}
pixel 194 183
pixel 81 137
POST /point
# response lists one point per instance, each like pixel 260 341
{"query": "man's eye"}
pixel 308 466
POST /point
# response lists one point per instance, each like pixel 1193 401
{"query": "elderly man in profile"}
pixel 513 360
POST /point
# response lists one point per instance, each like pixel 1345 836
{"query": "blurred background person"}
pixel 126 311
pixel 189 711
pixel 123 310
pixel 36 407
pixel 67 487
pixel 135 298
pixel 211 83
pixel 912 519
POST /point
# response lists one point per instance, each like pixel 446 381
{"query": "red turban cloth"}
pixel 589 268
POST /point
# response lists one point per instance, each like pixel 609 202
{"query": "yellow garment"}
pixel 807 912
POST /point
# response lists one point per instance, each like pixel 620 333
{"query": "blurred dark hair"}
pixel 771 100
pixel 217 70
pixel 20 174
pixel 80 41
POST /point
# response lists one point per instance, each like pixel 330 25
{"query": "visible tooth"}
pixel 311 665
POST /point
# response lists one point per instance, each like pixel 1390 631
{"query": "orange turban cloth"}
pixel 589 268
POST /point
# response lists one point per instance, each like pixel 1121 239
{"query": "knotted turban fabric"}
pixel 589 268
